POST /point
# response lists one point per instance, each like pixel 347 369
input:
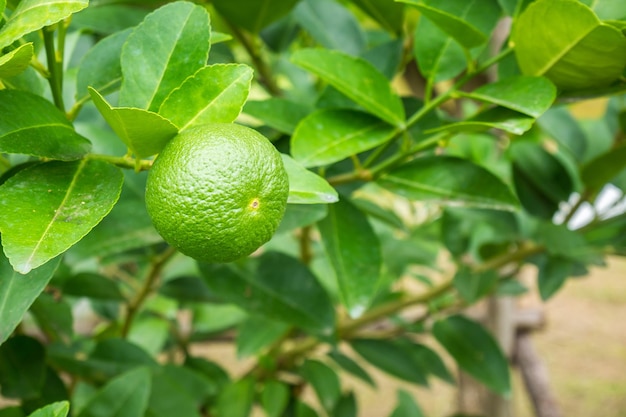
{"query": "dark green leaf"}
pixel 427 359
pixel 187 289
pixel 439 57
pixel 388 14
pixel 144 132
pixel 449 181
pixel 16 61
pixel 215 377
pixel 253 15
pixel 331 25
pixel 153 69
pixel 582 53
pixel 604 168
pixel 236 399
pixel 177 391
pixel 281 289
pixel 349 365
pixel 32 15
pixel 528 95
pixel 559 123
pixel 406 407
pixel 304 410
pixel 32 125
pixel 92 285
pixel 300 215
pixel 18 292
pixel 473 286
pixel 274 398
pixel 475 351
pixel 553 272
pixel 49 207
pixel 58 409
pixel 328 136
pixel 257 333
pixel 278 113
pixel 214 94
pixel 54 317
pixel 346 406
pixel 391 358
pixel 22 367
pixel 305 187
pixel 325 382
pixel 365 85
pixel 53 390
pixel 386 57
pixel 354 251
pixel 107 18
pixel 124 396
pixel 100 67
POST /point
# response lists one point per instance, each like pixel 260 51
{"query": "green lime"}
pixel 217 192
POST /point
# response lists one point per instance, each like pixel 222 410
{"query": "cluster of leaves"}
pixel 479 150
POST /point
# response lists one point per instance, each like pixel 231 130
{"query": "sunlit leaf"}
pixel 16 61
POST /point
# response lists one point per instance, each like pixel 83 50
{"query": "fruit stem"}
pixel 306 254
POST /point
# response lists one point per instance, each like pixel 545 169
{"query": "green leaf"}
pixel 282 289
pixel 47 208
pixel 177 390
pixel 346 406
pixel 389 15
pixel 100 67
pixel 391 358
pixel 324 381
pixel 305 410
pixel 449 181
pixel 553 272
pixel 328 136
pixel 187 289
pixel 406 406
pixel 32 15
pixel 124 396
pixel 349 365
pixel 475 351
pixel 364 85
pixel 604 168
pixel 300 215
pixel 469 22
pixel 305 187
pixel 331 25
pixel 106 18
pixel 16 61
pixel 153 67
pixel 438 56
pixel 32 125
pixel 90 285
pixel 256 333
pixel 274 398
pixel 54 317
pixel 236 399
pixel 144 132
pixel 278 113
pixel 18 292
pixel 58 409
pixel 212 318
pixel 253 15
pixel 473 286
pixel 214 94
pixel 427 360
pixel 524 94
pixel 582 52
pixel 354 251
pixel 22 367
pixel 494 118
pixel 559 123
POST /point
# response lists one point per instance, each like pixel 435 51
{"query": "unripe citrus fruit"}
pixel 217 192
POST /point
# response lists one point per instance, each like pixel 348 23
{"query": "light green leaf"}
pixel 236 399
pixel 16 61
pixel 475 351
pixel 47 208
pixel 328 136
pixel 144 132
pixel 253 15
pixel 100 67
pixel 281 289
pixel 438 56
pixel 565 41
pixel 495 118
pixel 354 251
pixel 449 181
pixel 524 94
pixel 274 398
pixel 219 37
pixel 257 333
pixel 124 396
pixel 389 15
pixel 32 125
pixel 305 187
pixel 324 380
pixel 18 292
pixel 154 66
pixel 300 215
pixel 332 25
pixel 469 22
pixel 32 15
pixel 357 79
pixel 58 409
pixel 214 94
pixel 278 113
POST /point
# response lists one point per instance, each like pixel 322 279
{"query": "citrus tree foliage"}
pixel 419 145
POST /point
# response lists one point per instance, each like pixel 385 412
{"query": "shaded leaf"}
pixel 473 286
pixel 475 351
pixel 54 317
pixel 18 292
pixel 300 215
pixel 553 272
pixel 328 136
pixel 389 15
pixel 349 365
pixel 93 286
pixel 253 15
pixel 391 358
pixel 406 406
pixel 305 187
pixel 32 15
pixel 257 333
pixel 32 125
pixel 176 391
pixel 274 398
pixel 144 132
pixel 449 181
pixel 214 94
pixel 187 289
pixel 278 113
pixel 22 367
pixel 47 208
pixel 107 18
pixel 324 380
pixel 153 69
pixel 16 61
pixel 346 406
pixel 439 57
pixel 559 123
pixel 365 85
pixel 236 399
pixel 604 168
